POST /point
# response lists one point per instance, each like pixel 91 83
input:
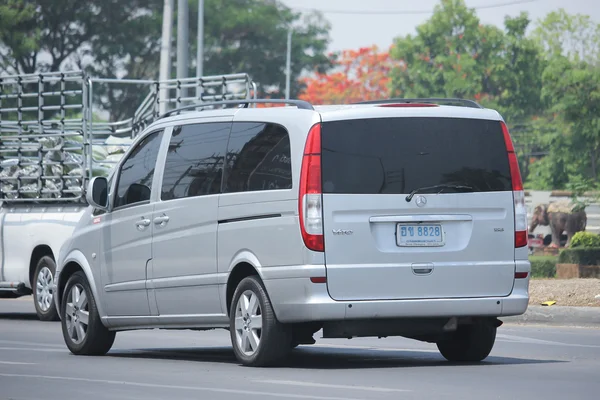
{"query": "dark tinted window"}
pixel 194 164
pixel 398 155
pixel 258 158
pixel 135 176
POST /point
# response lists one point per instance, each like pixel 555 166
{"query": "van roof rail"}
pixel 433 100
pixel 301 104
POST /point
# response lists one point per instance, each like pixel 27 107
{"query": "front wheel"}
pixel 258 339
pixel 82 328
pixel 43 289
pixel 470 343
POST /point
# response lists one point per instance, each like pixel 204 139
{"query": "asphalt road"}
pixel 527 363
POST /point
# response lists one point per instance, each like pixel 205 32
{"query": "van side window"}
pixel 258 158
pixel 194 164
pixel 135 176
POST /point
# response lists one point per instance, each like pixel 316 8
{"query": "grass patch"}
pixel 543 266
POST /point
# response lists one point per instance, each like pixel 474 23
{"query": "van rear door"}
pixel 417 207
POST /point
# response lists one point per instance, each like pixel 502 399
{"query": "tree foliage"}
pixel 571 92
pixel 454 55
pixel 358 75
pixel 573 36
pixel 69 34
pixel 18 31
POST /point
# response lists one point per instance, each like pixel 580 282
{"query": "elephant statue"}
pixel 561 218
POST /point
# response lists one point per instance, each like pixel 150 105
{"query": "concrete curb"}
pixel 558 315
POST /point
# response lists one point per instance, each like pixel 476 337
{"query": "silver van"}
pixel 391 218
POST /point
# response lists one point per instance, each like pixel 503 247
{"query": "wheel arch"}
pixel 241 270
pixel 39 251
pixel 75 262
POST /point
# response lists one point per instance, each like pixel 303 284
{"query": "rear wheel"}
pixel 82 328
pixel 470 343
pixel 258 339
pixel 43 289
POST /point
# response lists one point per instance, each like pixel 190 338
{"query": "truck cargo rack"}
pixel 52 143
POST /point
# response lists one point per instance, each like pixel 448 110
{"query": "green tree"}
pixel 576 37
pixel 571 92
pixel 541 143
pixel 67 34
pixel 454 55
pixel 20 34
pixel 106 38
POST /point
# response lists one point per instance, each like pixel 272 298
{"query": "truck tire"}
pixel 43 289
pixel 253 346
pixel 83 331
pixel 470 343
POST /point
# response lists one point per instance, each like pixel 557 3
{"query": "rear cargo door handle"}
pixel 142 224
pixel 422 268
pixel 162 220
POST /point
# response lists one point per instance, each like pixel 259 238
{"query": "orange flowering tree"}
pixel 358 75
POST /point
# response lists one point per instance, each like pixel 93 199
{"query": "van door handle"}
pixel 422 268
pixel 142 224
pixel 162 220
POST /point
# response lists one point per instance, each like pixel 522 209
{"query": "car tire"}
pixel 78 304
pixel 251 308
pixel 43 289
pixel 469 343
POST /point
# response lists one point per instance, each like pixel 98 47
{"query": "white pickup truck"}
pixel 31 237
pixel 51 144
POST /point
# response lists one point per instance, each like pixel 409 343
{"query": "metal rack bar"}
pixel 301 104
pixel 44 108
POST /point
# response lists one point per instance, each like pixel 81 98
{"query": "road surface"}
pixel 527 363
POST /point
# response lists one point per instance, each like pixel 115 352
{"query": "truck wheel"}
pixel 43 290
pixel 470 343
pixel 82 328
pixel 258 339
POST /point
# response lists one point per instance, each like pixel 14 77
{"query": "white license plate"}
pixel 419 235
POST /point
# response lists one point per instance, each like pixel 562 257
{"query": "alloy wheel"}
pixel 77 313
pixel 43 289
pixel 248 323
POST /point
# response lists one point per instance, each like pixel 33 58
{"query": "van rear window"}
pixel 399 155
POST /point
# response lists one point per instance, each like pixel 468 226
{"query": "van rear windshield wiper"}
pixel 442 186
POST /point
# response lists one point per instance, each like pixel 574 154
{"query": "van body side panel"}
pixel 258 210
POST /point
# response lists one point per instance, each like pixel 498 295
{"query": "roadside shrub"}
pixel 585 240
pixel 543 267
pixel 580 255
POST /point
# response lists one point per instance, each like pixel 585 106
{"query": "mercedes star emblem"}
pixel 420 201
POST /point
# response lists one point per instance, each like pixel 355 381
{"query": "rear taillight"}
pixel 518 193
pixel 310 199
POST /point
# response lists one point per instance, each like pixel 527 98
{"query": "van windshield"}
pixel 400 155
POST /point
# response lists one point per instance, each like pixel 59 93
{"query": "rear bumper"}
pixel 297 299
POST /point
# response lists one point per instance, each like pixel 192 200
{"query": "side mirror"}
pixel 97 193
